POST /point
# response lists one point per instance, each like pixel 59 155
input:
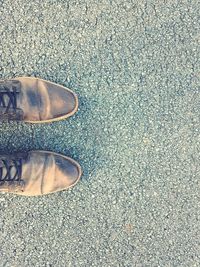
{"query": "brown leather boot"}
pixel 35 100
pixel 37 173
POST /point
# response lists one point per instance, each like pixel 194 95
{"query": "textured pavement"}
pixel 135 67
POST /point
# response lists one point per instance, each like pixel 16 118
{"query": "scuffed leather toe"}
pixel 45 172
pixel 61 101
pixel 44 101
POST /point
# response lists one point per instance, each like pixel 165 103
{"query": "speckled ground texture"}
pixel 135 67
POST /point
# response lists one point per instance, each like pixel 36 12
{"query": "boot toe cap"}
pixel 67 172
pixel 63 102
pixel 44 101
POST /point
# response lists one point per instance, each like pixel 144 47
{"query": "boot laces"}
pixel 10 170
pixel 10 92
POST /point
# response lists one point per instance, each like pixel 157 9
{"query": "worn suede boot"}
pixel 35 100
pixel 37 173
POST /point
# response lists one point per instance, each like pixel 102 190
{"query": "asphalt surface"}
pixel 135 67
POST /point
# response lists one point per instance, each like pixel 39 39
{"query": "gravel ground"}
pixel 135 67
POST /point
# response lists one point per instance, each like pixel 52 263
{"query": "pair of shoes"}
pixel 36 172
